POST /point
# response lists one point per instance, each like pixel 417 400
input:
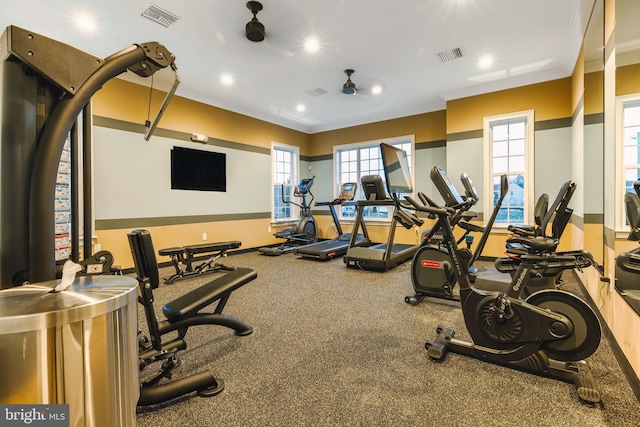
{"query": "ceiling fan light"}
pixel 349 88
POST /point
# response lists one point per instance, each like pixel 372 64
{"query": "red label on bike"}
pixel 430 264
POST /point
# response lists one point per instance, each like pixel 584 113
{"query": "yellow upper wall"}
pixel 628 80
pixel 127 101
pixel 550 100
pixel 594 93
pixel 426 127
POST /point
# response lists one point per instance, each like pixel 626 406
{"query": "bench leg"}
pixel 208 266
pixel 204 383
pixel 180 265
pixel 239 327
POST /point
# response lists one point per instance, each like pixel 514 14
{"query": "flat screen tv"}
pixel 198 170
pixel 396 169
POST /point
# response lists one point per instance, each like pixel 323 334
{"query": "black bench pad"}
pixel 211 247
pixel 171 251
pixel 191 302
pixel 201 248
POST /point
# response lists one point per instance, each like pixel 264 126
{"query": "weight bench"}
pixel 183 258
pixel 181 313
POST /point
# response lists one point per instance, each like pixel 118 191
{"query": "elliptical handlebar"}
pixel 300 190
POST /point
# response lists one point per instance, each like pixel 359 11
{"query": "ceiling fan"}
pixel 349 87
pixel 254 28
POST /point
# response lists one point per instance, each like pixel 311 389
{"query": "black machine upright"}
pixel 548 333
pixel 337 247
pixel 305 231
pixel 628 263
pixel 385 256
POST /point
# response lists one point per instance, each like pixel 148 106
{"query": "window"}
pixel 285 178
pixel 354 161
pixel 628 151
pixel 508 149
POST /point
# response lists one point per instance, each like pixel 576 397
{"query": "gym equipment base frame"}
pixel 181 313
pixel 578 373
pixel 549 333
pixel 183 258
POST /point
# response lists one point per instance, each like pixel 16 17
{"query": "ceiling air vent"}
pixel 316 92
pixel 450 55
pixel 160 16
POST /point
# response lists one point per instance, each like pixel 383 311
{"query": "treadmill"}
pixel 385 256
pixel 337 247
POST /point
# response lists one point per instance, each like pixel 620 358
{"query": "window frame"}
pixel 621 226
pixel 295 177
pixel 337 149
pixel 529 177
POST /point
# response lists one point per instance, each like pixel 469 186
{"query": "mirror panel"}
pixel 594 133
pixel 627 60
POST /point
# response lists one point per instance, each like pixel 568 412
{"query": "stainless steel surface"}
pixel 77 347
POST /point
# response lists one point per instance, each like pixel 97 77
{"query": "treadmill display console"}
pixel 348 191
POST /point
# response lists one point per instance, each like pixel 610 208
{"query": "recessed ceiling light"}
pixel 376 90
pixel 300 108
pixel 311 45
pixel 84 22
pixel 226 79
pixel 485 62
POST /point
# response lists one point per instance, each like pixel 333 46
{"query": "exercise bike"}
pixel 628 263
pixel 432 273
pixel 305 231
pixel 548 334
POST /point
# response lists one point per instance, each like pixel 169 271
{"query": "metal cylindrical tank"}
pixel 77 347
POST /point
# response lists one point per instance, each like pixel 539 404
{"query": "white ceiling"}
pixel 392 43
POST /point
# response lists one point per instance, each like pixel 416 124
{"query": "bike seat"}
pixel 531 245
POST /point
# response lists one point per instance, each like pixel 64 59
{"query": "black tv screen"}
pixel 198 170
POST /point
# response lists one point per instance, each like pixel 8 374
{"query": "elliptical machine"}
pixel 305 231
pixel 548 334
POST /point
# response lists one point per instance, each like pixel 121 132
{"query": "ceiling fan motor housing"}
pixel 255 30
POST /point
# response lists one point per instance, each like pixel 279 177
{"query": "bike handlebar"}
pixel 429 209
